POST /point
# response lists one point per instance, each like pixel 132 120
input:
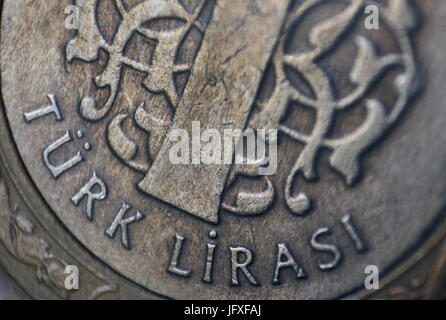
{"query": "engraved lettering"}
pixel 352 232
pixel 243 266
pixel 207 276
pixel 56 171
pixel 326 247
pixel 87 190
pixel 123 223
pixel 175 258
pixel 52 108
pixel 283 252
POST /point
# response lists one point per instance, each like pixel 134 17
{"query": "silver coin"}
pixel 121 122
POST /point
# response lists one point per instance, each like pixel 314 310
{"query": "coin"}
pixel 122 122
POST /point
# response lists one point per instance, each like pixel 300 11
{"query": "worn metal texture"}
pixel 87 178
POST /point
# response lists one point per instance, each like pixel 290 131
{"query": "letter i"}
pixel 207 274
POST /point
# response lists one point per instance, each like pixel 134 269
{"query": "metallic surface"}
pixel 87 181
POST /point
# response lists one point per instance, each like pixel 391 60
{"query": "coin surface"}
pixel 351 118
